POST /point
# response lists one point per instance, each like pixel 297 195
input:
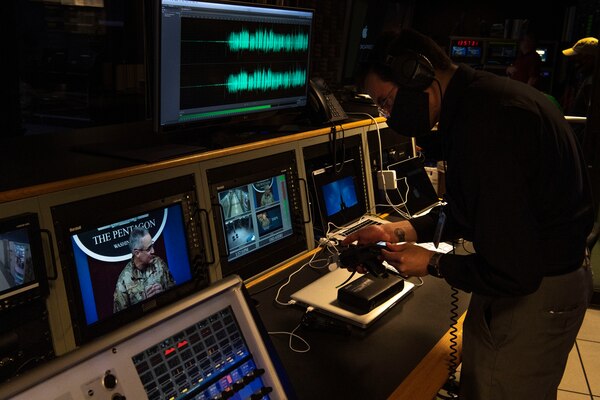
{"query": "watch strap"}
pixel 433 266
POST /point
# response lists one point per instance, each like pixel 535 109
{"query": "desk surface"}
pixel 367 364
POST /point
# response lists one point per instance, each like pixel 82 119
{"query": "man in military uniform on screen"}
pixel 144 276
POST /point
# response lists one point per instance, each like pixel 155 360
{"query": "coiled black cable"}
pixel 451 387
pixel 453 357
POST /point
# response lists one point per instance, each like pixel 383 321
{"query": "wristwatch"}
pixel 433 266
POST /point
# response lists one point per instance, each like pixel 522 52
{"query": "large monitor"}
pixel 221 60
pixel 126 253
pixel 22 266
pixel 259 221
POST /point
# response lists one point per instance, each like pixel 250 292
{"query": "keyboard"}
pixel 358 226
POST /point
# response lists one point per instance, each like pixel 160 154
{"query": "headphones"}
pixel 410 70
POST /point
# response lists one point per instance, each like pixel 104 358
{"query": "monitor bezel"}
pixel 38 287
pixel 264 258
pixel 323 176
pixel 221 122
pixel 72 218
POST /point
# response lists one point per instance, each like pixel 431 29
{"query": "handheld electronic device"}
pixel 353 256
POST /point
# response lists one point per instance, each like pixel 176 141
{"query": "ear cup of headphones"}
pixel 411 70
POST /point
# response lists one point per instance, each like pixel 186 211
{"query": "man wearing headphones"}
pixel 516 187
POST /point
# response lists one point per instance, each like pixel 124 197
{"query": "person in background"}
pixel 517 188
pixel 578 95
pixel 146 275
pixel 527 66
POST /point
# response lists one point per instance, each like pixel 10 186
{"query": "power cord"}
pixel 293 335
pixel 395 207
pixel 289 279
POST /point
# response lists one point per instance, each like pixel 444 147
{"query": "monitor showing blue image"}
pixel 473 52
pixel 113 276
pixel 458 51
pixel 339 195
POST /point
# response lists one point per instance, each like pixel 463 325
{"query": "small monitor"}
pixel 458 51
pixel 473 52
pixel 340 193
pixel 255 215
pixel 502 53
pixel 127 253
pixel 22 266
pixel 259 216
pixel 220 60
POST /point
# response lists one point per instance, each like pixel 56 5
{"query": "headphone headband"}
pixel 410 70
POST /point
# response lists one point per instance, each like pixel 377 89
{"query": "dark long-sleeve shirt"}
pixel 516 186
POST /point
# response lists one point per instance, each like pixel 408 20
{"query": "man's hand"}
pixel 408 258
pixel 394 232
pixel 153 290
pixel 369 235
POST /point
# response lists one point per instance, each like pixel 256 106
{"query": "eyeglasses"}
pixel 385 103
pixel 147 249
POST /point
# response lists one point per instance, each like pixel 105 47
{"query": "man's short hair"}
pixel 135 238
pixel 396 42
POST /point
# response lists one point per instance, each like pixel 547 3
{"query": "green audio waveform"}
pixel 265 80
pixel 267 41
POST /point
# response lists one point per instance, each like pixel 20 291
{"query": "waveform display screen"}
pixel 222 60
pixel 267 41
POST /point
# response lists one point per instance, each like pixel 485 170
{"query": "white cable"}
pixel 421 282
pixel 395 207
pixel 292 335
pixel 289 279
pixel 329 225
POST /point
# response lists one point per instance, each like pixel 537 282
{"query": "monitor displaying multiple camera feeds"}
pixel 22 267
pixel 123 256
pixel 260 217
pixel 255 215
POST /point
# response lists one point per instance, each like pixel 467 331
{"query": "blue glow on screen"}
pixel 339 195
pixel 174 238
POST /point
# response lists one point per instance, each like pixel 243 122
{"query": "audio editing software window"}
pixel 220 60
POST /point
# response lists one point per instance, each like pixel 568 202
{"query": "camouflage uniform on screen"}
pixel 132 283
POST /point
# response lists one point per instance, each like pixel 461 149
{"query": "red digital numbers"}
pixel 467 42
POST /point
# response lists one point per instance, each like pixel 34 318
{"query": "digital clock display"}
pixel 467 42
